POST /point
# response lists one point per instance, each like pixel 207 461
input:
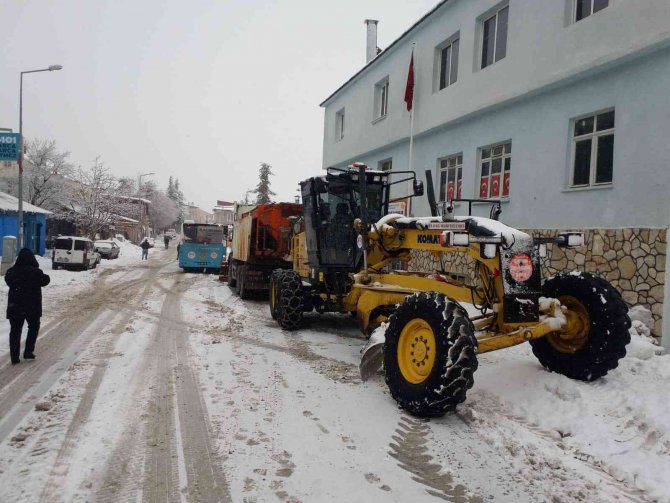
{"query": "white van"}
pixel 72 252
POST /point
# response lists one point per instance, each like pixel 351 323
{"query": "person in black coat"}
pixel 25 280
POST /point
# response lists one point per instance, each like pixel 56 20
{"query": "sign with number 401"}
pixel 9 146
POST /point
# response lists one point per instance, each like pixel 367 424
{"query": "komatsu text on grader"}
pixel 343 248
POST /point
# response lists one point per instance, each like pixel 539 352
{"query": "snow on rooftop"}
pixel 11 203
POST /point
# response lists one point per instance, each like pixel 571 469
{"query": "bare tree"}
pixel 127 186
pixel 45 174
pixel 163 211
pixel 93 200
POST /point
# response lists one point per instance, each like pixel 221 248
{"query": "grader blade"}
pixel 373 354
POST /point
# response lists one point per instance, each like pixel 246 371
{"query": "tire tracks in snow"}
pixel 130 296
pixel 295 346
pixel 490 404
pixel 410 450
pixel 179 424
pixel 23 385
pixel 255 401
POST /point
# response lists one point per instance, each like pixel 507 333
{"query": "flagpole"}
pixel 411 120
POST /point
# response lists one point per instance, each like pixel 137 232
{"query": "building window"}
pixel 385 165
pixel 448 63
pixel 381 98
pixel 451 177
pixel 584 8
pixel 339 125
pixel 593 150
pixel 494 174
pixel 494 37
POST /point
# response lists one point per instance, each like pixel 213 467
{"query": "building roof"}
pixel 10 203
pixel 385 51
pixel 145 201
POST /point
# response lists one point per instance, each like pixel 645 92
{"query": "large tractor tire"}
pixel 430 354
pixel 290 301
pixel 596 333
pixel 274 294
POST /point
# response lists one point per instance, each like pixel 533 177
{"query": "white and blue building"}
pixel 560 108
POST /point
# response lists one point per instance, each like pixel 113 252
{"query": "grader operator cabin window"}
pixel 494 37
pixel 448 62
pixel 339 125
pixel 495 170
pixel 451 177
pixel 584 8
pixel 593 150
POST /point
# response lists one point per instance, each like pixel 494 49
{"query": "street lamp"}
pixel 139 188
pixel 19 241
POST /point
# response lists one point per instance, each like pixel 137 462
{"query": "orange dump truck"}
pixel 261 244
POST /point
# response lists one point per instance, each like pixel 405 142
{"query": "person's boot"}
pixel 14 362
pixel 28 356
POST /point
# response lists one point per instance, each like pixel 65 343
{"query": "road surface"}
pixel 155 385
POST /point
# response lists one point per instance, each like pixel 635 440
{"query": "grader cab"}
pixel 343 250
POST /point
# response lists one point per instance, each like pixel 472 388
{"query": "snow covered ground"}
pixel 152 384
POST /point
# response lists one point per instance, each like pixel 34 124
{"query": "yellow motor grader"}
pixel 344 247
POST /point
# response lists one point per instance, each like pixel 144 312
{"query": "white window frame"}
pixel 381 99
pixel 339 124
pixel 482 21
pixel 594 135
pixel 481 160
pixel 453 63
pixel 591 13
pixel 457 167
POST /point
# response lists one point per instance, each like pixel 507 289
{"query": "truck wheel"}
pixel 595 336
pixel 290 301
pixel 274 294
pixel 242 290
pixel 232 280
pixel 430 354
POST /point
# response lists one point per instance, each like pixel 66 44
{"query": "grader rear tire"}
pixel 290 303
pixel 430 354
pixel 275 281
pixel 596 336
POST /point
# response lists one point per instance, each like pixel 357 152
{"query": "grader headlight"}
pixel 449 239
pixel 521 267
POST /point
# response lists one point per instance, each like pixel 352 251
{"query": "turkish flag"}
pixel 409 88
pixel 495 185
pixel 458 189
pixel 450 191
pixel 484 187
pixel 506 184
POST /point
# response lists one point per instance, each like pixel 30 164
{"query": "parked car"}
pixel 120 238
pixel 171 233
pixel 107 249
pixel 72 252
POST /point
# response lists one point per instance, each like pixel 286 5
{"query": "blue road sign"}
pixel 9 146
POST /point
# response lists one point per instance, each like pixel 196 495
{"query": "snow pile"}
pixel 619 425
pixel 129 254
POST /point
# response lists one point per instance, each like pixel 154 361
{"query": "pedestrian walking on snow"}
pixel 166 240
pixel 145 245
pixel 24 303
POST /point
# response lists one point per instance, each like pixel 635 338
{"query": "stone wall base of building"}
pixel 632 260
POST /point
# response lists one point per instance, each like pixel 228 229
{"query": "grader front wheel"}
pixel 430 354
pixel 596 331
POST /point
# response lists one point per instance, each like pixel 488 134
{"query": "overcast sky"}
pixel 203 90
